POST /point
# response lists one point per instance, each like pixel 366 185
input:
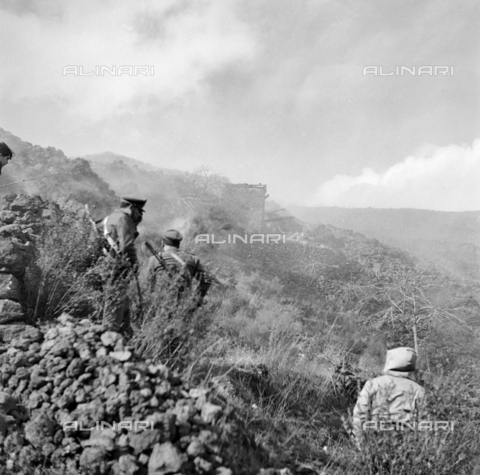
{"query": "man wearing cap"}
pixel 5 155
pixel 187 264
pixel 120 232
pixel 392 397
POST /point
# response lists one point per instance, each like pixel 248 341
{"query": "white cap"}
pixel 401 359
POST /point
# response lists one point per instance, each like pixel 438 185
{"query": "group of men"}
pixel 120 231
pixel 391 398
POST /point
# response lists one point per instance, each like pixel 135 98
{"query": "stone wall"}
pixel 21 217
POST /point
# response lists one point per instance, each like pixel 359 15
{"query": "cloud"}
pixel 183 41
pixel 444 178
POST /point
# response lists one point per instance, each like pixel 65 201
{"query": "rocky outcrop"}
pixel 77 400
pixel 20 221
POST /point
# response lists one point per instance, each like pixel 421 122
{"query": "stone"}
pixel 75 368
pixel 10 287
pixel 210 412
pixel 146 392
pixel 197 392
pixel 7 216
pixel 121 355
pixel 195 448
pixel 11 331
pixel 99 441
pixel 165 458
pixel 127 464
pixel 202 464
pixel 12 258
pixel 65 318
pixel 93 456
pixel 39 430
pixel 101 352
pixel 24 203
pixel 22 373
pixel 184 410
pixel 7 403
pixel 60 348
pixel 208 439
pixel 34 400
pixel 223 471
pixel 10 311
pixel 3 424
pixel 110 338
pixel 143 440
pixel 48 449
pixel 51 333
pixel 89 413
pixel 33 334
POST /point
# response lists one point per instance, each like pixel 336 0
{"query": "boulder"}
pixel 10 287
pixel 165 458
pixel 12 258
pixel 10 311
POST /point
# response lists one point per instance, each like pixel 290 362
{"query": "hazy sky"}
pixel 268 91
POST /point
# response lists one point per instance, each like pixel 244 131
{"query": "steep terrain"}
pixel 49 173
pixel 101 162
pixel 286 342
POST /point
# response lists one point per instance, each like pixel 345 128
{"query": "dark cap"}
pixel 172 237
pixel 5 150
pixel 136 202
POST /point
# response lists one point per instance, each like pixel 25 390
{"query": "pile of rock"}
pixel 75 399
pixel 21 218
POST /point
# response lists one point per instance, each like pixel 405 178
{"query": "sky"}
pixel 261 91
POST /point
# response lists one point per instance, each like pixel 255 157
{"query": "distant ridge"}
pixel 107 158
pixel 447 239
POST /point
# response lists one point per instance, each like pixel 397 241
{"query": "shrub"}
pixel 66 271
pixel 170 327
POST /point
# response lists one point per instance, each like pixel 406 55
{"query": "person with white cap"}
pixel 395 396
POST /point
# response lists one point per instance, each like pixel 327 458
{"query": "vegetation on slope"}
pixel 292 366
pixel 295 333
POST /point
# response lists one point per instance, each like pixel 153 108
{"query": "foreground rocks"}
pixel 75 399
pixel 21 219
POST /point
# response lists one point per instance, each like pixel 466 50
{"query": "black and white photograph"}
pixel 239 237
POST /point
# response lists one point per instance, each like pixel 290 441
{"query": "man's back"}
pixel 395 396
pixel 191 268
pixel 122 230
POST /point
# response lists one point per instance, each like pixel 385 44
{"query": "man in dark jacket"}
pixel 5 155
pixel 186 265
pixel 120 232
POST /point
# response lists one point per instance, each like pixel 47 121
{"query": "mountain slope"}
pixel 49 173
pixel 450 240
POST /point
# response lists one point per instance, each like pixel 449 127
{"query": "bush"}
pixel 170 328
pixel 66 271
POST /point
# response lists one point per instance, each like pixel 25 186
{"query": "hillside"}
pixel 281 348
pixel 450 240
pixel 48 172
pixel 101 161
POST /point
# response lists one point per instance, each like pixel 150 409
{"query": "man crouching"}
pixel 389 399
